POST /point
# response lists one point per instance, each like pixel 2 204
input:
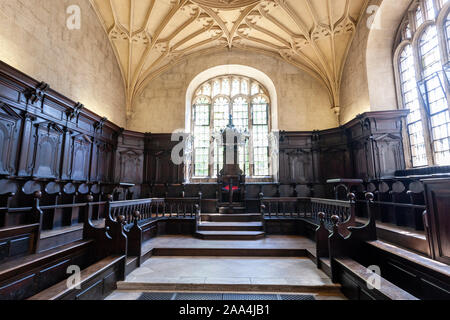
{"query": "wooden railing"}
pixel 154 208
pixel 132 215
pixel 397 200
pixel 309 208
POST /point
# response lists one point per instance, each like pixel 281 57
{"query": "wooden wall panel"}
pixel 438 204
pixel 10 123
pixel 44 135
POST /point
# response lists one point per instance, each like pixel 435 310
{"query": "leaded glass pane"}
pixel 411 102
pixel 255 89
pixel 221 112
pixel 226 87
pixel 447 34
pixel 216 88
pixel 235 87
pixel 240 113
pixel 419 17
pixel 429 52
pixel 431 13
pixel 436 99
pixel 207 90
pixel 244 86
pixel 201 151
pixel 259 109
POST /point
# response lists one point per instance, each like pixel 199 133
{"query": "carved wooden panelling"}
pixel 438 204
pixel 104 163
pixel 361 161
pixel 9 130
pixel 334 163
pixel 81 153
pixel 300 166
pixel 388 155
pixel 48 152
pixel 131 166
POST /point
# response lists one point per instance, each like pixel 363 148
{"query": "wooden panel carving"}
pixel 438 204
pixel 104 172
pixel 131 166
pixel 388 154
pixel 9 130
pixel 81 153
pixel 48 151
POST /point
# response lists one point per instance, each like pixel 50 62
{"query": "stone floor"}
pixel 229 270
pixel 238 274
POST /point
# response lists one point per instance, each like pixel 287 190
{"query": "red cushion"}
pixel 227 188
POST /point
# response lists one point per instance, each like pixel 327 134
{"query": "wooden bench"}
pixel 23 277
pixel 355 280
pixel 96 282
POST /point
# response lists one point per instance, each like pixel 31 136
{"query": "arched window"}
pixel 249 104
pixel 411 102
pixel 424 87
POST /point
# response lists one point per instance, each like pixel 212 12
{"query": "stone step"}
pixel 229 252
pixel 231 217
pixel 230 235
pixel 234 210
pixel 235 287
pixel 230 226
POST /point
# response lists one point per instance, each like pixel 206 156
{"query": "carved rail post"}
pixel 200 197
pixel 261 199
pixel 263 220
pixel 426 225
pixel 135 237
pixel 197 217
pixel 88 229
pixel 108 211
pixel 120 240
pixel 38 216
pixel 337 248
pixel 322 235
pixel 7 204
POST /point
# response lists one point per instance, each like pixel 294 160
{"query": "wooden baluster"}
pixel 38 216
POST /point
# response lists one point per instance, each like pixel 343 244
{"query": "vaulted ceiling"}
pixel 149 36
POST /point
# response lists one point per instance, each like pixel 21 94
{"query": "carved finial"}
pixel 335 221
pixel 321 217
pixel 121 220
pixel 369 196
pixel 37 195
pixel 230 121
pixel 89 198
pixel 351 196
pixel 109 197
